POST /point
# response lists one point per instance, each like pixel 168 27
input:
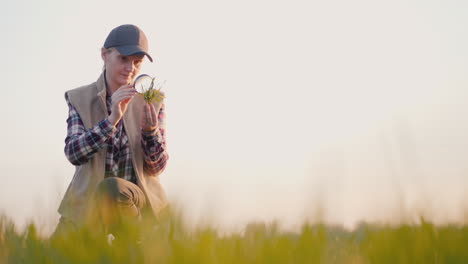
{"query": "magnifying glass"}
pixel 143 83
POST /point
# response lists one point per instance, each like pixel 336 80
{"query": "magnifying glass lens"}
pixel 143 83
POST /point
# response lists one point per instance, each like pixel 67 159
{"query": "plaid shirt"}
pixel 80 145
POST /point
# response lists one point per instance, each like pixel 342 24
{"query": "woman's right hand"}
pixel 119 102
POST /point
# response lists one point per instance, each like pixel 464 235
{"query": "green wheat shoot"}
pixel 153 92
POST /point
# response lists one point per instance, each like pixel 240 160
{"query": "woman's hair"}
pixel 108 50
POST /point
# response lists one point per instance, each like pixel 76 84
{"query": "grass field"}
pixel 171 242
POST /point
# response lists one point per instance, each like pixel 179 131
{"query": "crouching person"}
pixel 117 143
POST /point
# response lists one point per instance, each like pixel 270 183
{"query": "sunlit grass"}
pixel 172 242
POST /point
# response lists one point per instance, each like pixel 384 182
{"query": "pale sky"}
pixel 275 109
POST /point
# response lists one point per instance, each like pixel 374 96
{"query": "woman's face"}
pixel 120 69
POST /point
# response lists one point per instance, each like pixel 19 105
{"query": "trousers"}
pixel 115 201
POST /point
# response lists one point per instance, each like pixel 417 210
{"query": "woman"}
pixel 115 140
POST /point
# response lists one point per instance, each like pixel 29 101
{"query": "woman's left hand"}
pixel 149 120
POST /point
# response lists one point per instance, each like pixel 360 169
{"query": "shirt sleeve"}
pixel 80 145
pixel 154 147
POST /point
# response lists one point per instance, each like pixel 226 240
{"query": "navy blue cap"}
pixel 128 40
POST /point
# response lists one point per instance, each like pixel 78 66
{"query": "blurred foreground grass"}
pixel 172 242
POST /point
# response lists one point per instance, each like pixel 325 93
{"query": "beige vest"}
pixel 90 102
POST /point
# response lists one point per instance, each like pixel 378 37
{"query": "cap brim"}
pixel 129 50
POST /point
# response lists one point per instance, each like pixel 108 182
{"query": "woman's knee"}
pixel 120 191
